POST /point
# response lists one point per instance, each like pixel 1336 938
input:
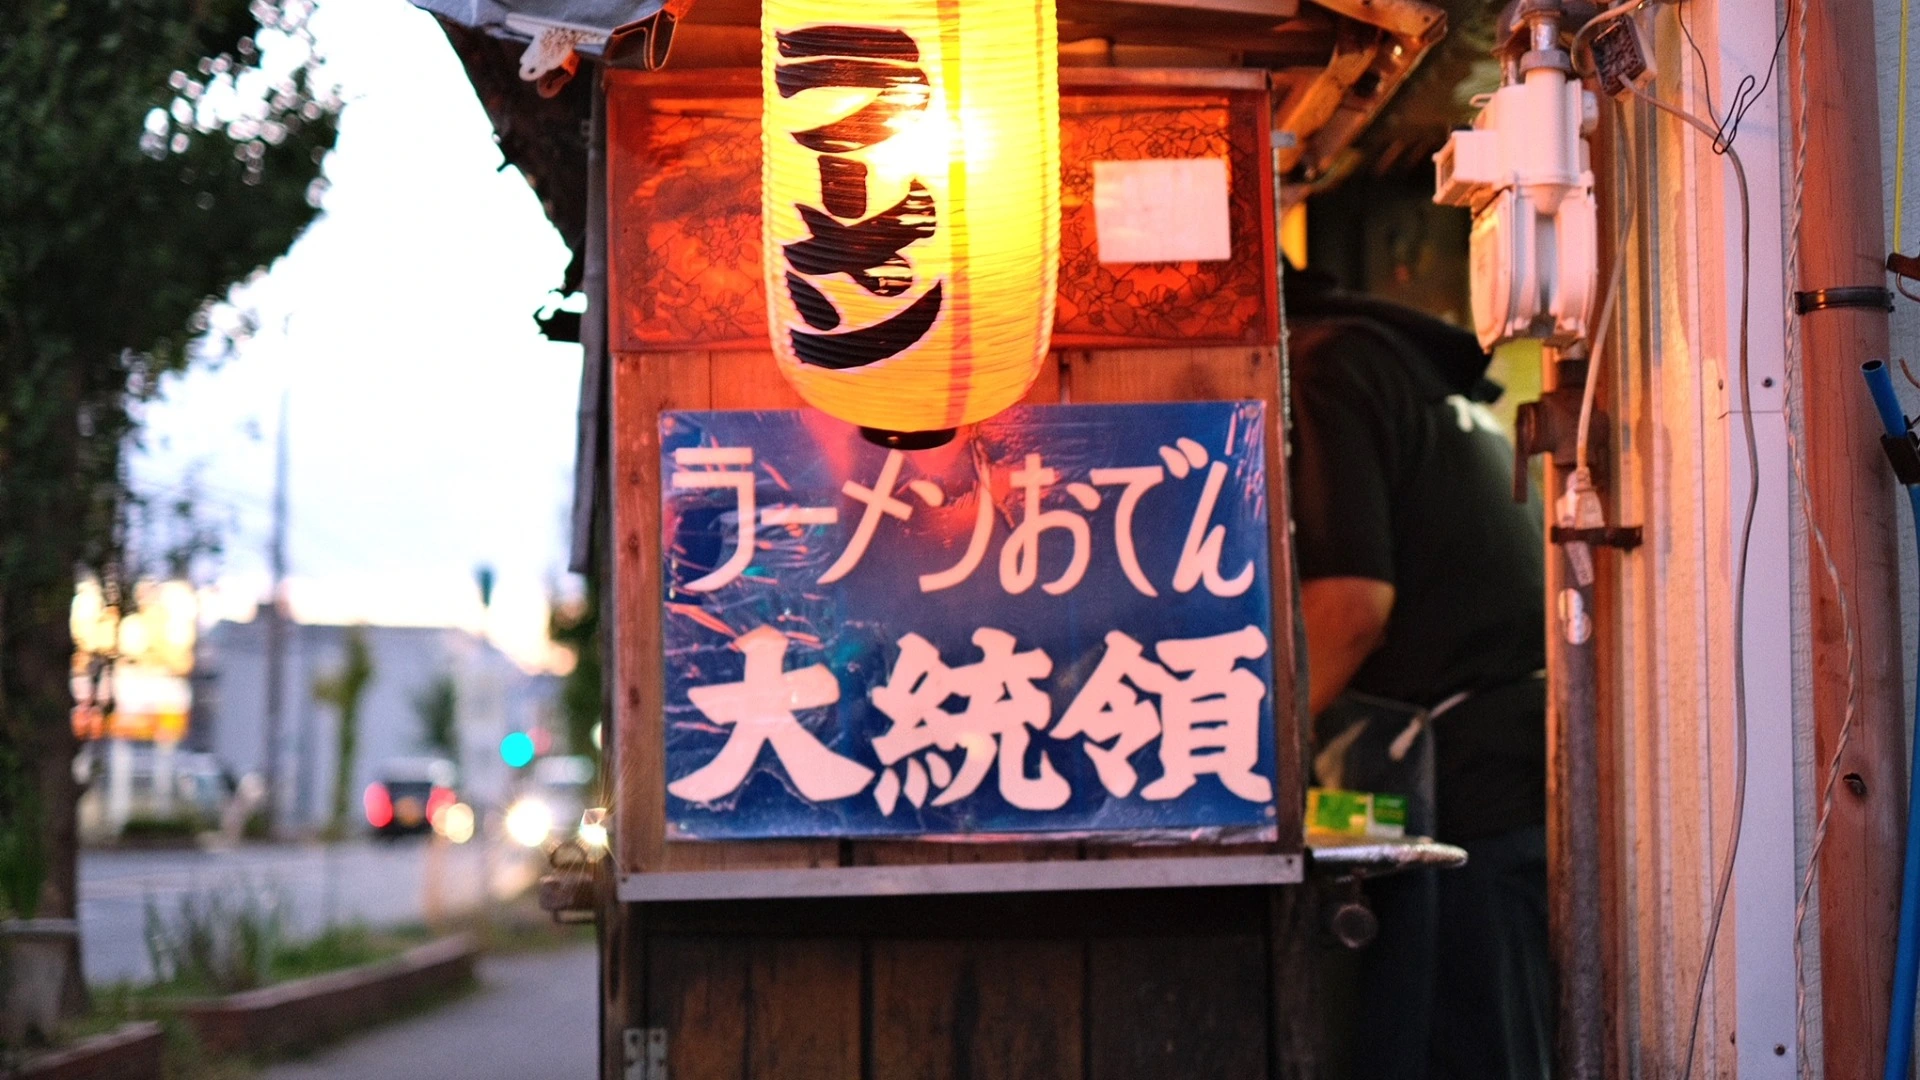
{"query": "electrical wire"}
pixel 1600 340
pixel 1583 44
pixel 1746 93
pixel 1900 147
pixel 1725 885
pixel 1900 137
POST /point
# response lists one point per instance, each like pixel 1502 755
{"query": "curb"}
pixel 306 1012
pixel 130 1052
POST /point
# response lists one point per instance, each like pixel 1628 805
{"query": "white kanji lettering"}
pixel 1107 710
pixel 760 708
pixel 1002 705
pixel 1209 720
pixel 1200 554
pixel 1020 558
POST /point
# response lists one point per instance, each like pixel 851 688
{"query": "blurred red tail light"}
pixel 379 806
pixel 439 800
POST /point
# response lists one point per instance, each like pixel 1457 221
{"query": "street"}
pixel 364 881
pixel 533 1018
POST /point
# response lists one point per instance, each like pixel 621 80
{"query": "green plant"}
pixel 344 690
pixel 218 940
pixel 438 707
pixel 168 827
pixel 575 626
pixel 335 949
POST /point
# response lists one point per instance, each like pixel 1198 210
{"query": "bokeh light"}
pixel 517 749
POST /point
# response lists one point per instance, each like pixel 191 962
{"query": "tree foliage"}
pixel 345 690
pixel 438 707
pixel 147 164
pixel 576 626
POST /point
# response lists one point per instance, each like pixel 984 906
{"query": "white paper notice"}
pixel 1161 210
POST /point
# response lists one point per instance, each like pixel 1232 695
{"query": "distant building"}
pixel 492 697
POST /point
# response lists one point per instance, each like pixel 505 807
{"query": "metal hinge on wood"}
pixel 646 1053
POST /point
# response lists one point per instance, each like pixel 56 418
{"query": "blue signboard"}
pixel 1060 622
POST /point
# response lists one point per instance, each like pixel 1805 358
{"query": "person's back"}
pixel 1401 476
pixel 1403 513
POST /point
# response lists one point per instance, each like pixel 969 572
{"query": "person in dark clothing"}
pixel 1422 594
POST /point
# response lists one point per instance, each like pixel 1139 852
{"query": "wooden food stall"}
pixel 976 753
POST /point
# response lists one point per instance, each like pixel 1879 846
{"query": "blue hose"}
pixel 1906 972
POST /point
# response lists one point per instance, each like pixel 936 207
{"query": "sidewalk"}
pixel 533 1018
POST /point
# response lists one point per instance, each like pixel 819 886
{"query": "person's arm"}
pixel 1346 618
pixel 1344 444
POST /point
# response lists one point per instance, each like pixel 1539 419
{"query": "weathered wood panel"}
pixel 960 1010
pixel 697 993
pixel 643 386
pixel 1140 985
pixel 803 1008
pixel 737 1007
pixel 1193 1007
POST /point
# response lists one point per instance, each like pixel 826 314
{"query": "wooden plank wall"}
pixel 645 384
pixel 1153 985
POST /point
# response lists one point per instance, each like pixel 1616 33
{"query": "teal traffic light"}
pixel 517 749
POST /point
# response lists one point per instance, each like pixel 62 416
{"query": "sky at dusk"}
pixel 431 426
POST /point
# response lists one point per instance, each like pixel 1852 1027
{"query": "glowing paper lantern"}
pixel 912 204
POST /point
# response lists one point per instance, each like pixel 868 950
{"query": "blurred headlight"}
pixel 593 830
pixel 529 822
pixel 455 823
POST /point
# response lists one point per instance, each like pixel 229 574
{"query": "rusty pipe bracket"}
pixel 1904 455
pixel 1843 296
pixel 1551 426
pixel 1624 537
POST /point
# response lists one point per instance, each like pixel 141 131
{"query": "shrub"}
pixel 171 827
pixel 219 940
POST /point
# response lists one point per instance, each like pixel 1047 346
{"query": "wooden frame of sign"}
pixel 684 333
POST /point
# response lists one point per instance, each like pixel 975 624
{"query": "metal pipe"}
pixel 1574 820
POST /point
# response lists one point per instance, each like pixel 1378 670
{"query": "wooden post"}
pixel 1851 498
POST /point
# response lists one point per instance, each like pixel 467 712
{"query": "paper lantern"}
pixel 912 204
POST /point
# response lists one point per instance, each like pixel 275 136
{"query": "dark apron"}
pixel 1457 984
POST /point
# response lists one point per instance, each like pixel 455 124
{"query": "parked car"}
pixel 409 794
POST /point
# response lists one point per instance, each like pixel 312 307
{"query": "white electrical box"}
pixel 1523 170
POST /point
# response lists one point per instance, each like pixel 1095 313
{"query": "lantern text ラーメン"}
pixel 912 217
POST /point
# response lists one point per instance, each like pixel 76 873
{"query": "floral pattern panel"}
pixel 685 244
pixel 1150 303
pixel 684 191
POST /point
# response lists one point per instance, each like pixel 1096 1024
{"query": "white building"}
pixel 493 696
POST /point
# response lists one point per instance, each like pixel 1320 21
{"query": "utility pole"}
pixel 276 624
pixel 1843 323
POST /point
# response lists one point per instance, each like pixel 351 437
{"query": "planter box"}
pixel 306 1012
pixel 132 1052
pixel 38 973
